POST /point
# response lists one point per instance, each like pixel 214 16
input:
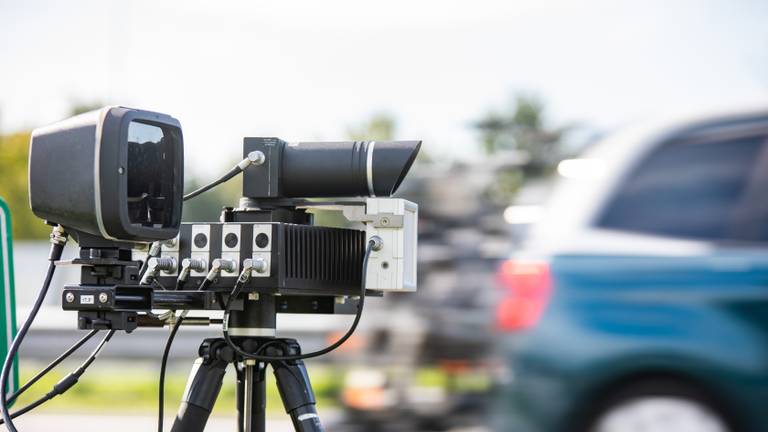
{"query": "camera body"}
pixel 113 178
pixel 115 173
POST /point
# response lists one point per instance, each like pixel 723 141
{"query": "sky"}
pixel 309 70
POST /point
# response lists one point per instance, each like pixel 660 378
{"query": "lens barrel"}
pixel 328 169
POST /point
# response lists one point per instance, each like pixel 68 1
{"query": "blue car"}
pixel 640 301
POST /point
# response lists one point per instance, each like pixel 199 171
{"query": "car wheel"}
pixel 660 407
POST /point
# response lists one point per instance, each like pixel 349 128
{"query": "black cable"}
pixel 204 284
pixel 226 177
pixel 159 285
pixel 14 348
pixel 52 365
pixel 163 366
pixel 255 356
pixel 144 266
pixel 64 384
pixel 26 409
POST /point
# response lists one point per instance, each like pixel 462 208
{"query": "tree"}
pixel 14 189
pixel 84 107
pixel 207 207
pixel 380 127
pixel 522 129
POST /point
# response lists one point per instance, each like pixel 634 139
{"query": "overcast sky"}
pixel 308 70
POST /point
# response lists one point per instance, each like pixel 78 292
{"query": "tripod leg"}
pixel 202 390
pixel 240 397
pixel 255 397
pixel 296 393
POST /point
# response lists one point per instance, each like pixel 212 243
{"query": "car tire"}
pixel 659 405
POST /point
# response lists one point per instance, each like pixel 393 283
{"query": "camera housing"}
pixel 116 173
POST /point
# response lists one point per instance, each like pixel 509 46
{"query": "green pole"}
pixel 7 294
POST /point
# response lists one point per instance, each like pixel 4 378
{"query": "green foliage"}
pixel 522 129
pixel 207 207
pixel 14 188
pixel 119 387
pixel 380 127
pixel 84 107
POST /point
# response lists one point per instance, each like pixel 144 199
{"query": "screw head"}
pixel 103 297
pixel 69 297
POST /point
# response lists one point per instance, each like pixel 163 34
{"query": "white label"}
pixel 86 299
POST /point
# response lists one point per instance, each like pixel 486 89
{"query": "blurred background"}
pixel 593 236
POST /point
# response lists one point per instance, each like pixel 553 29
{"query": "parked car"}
pixel 640 300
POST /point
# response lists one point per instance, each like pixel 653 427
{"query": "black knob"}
pixel 230 240
pixel 262 240
pixel 201 240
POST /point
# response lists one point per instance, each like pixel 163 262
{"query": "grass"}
pixel 132 389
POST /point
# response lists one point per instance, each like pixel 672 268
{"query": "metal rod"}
pixel 248 405
pixel 254 396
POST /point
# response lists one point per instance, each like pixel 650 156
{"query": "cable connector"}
pixel 219 265
pixel 156 265
pixel 254 158
pixel 188 265
pixel 376 243
pixel 58 239
pixel 248 265
pixel 154 249
pixel 59 236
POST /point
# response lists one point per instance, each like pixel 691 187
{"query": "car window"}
pixel 696 189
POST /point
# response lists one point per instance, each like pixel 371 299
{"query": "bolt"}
pixel 69 297
pixel 103 297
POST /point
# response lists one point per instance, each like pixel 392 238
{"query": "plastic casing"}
pixel 78 178
pixel 393 267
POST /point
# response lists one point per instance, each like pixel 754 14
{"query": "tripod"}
pixel 208 372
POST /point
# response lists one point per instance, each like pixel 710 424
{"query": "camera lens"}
pixel 327 169
pixel 150 174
